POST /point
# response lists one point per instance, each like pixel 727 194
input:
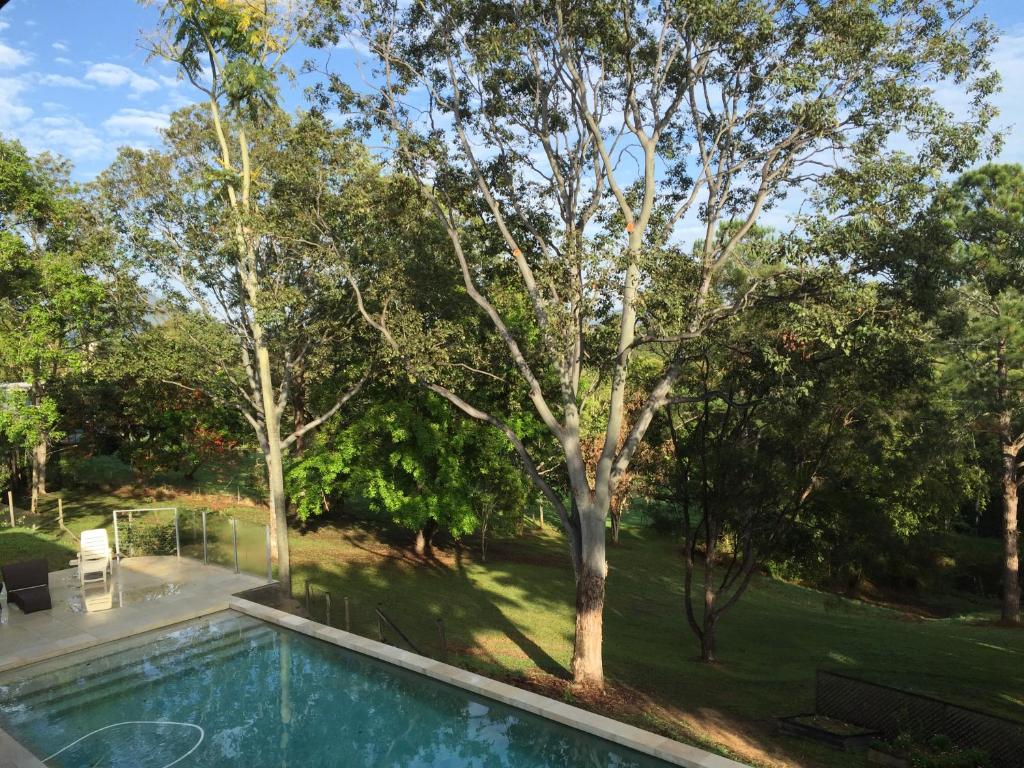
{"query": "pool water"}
pixel 235 691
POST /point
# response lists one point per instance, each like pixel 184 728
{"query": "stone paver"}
pixel 144 593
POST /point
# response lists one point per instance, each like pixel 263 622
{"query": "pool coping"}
pixel 624 735
pixel 14 755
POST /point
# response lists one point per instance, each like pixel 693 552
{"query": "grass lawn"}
pixel 512 617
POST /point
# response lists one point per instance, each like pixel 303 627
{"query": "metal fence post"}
pixel 234 540
pixel 270 560
pixel 327 608
pixel 380 628
pixel 348 621
pixel 307 597
pixel 206 553
pixel 177 534
pixel 117 538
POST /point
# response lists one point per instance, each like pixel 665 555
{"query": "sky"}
pixel 75 80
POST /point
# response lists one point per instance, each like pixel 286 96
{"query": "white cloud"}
pixel 117 75
pixel 136 122
pixel 354 44
pixel 12 109
pixel 1008 60
pixel 59 47
pixel 63 81
pixel 67 135
pixel 11 57
pixel 4 25
pixel 62 60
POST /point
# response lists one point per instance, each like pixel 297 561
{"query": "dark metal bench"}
pixel 28 585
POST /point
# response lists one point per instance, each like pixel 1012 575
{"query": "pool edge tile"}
pixel 13 753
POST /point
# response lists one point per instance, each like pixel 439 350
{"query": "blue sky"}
pixel 74 79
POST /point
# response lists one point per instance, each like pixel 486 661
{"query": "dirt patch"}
pixel 710 729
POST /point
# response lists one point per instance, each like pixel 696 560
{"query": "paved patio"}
pixel 145 593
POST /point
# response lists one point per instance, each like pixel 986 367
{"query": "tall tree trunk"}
pixel 707 641
pixel 587 662
pixel 299 404
pixel 425 537
pixel 275 461
pixel 616 524
pixel 39 454
pixel 1011 559
pixel 39 458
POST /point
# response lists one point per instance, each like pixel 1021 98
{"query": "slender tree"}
pixel 209 214
pixel 575 142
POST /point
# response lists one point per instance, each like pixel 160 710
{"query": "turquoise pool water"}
pixel 235 691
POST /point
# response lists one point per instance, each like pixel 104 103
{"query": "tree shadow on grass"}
pixel 415 593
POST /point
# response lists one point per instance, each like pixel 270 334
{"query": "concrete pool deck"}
pixel 144 593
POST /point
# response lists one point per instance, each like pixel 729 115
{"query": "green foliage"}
pixel 63 296
pixel 936 752
pixel 144 537
pixel 242 43
pixel 412 460
pixel 103 471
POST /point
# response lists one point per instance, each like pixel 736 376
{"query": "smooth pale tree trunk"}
pixel 274 456
pixel 1011 555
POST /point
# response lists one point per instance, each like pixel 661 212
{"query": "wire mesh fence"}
pixel 894 712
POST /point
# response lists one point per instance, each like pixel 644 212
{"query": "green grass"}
pixel 516 612
pixel 514 615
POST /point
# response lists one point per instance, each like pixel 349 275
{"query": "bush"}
pixel 147 538
pixel 937 752
pixel 95 472
pixel 661 516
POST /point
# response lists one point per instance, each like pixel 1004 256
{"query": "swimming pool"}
pixel 232 690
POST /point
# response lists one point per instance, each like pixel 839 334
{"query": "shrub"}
pixel 95 472
pixel 147 538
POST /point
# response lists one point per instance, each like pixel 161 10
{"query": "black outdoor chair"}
pixel 28 585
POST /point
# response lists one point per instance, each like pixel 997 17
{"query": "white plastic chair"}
pixel 94 554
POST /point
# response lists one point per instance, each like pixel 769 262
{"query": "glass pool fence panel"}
pixel 237 544
pixel 200 534
pixel 253 553
pixel 190 532
pixel 142 532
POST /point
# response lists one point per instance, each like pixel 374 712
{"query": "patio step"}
pixel 123 666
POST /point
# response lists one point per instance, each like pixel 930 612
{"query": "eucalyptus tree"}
pixel 212 214
pixel 573 141
pixel 62 294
